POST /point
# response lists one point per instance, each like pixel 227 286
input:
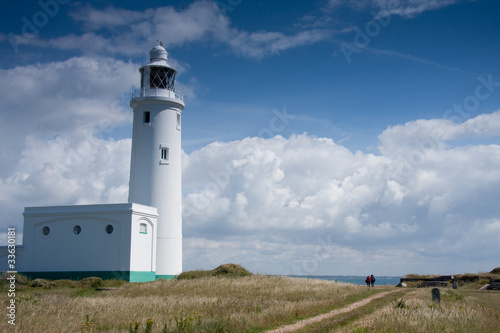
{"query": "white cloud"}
pixel 429 135
pixel 300 191
pixel 261 44
pixel 404 8
pixel 201 22
pixel 68 171
pixel 73 98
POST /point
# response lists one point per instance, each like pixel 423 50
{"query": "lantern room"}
pixel 158 74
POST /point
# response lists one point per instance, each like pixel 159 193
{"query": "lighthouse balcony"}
pixel 157 92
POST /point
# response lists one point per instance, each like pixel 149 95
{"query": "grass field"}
pixel 459 311
pixel 243 304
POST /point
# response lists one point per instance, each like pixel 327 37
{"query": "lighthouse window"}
pixel 147 117
pixel 143 228
pixel 164 153
pixel 46 230
pixel 178 121
pixel 161 77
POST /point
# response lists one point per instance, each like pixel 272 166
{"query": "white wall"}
pixel 143 245
pixel 93 249
pixel 158 183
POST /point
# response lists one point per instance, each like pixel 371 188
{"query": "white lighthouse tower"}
pixel 155 171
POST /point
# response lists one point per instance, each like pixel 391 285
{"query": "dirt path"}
pixel 302 323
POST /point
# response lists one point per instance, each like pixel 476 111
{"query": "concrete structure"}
pixel 136 241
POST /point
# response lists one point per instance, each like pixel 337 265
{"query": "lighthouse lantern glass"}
pixel 162 78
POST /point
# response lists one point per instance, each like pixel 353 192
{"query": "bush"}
pixel 496 270
pixel 231 270
pixel 92 282
pixel 40 283
pixel 228 270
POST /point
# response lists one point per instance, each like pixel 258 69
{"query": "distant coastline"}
pixel 354 279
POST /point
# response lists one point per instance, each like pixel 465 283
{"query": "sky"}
pixel 331 137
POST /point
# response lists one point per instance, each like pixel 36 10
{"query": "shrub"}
pixel 231 270
pixel 227 270
pixel 92 282
pixel 496 270
pixel 40 283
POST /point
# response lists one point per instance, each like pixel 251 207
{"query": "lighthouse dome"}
pixel 158 53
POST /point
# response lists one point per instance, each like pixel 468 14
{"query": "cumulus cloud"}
pixel 72 98
pixel 432 134
pixel 293 194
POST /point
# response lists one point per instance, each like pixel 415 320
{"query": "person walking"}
pixel 368 280
pixel 372 280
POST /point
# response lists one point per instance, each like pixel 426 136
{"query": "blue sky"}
pixel 366 129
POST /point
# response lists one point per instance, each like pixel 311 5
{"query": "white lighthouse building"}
pixel 136 241
pixel 155 169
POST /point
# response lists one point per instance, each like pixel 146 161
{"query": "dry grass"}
pixel 214 304
pixel 248 304
pixel 459 311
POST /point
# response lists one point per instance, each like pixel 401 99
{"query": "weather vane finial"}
pixel 159 41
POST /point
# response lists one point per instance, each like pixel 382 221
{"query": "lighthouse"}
pixel 155 168
pixel 137 241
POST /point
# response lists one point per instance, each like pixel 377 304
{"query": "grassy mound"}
pixel 495 270
pixel 227 270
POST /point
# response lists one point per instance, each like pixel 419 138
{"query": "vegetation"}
pixel 225 300
pixel 470 281
pixel 208 304
pixel 458 311
pixel 227 270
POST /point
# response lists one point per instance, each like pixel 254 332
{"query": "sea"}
pixel 379 280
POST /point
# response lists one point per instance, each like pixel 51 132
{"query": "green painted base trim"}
pixel 130 276
pixel 166 277
pixel 142 276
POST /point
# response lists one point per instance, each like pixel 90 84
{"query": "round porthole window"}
pixel 109 229
pixel 77 229
pixel 46 230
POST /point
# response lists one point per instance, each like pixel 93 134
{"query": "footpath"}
pixel 300 324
